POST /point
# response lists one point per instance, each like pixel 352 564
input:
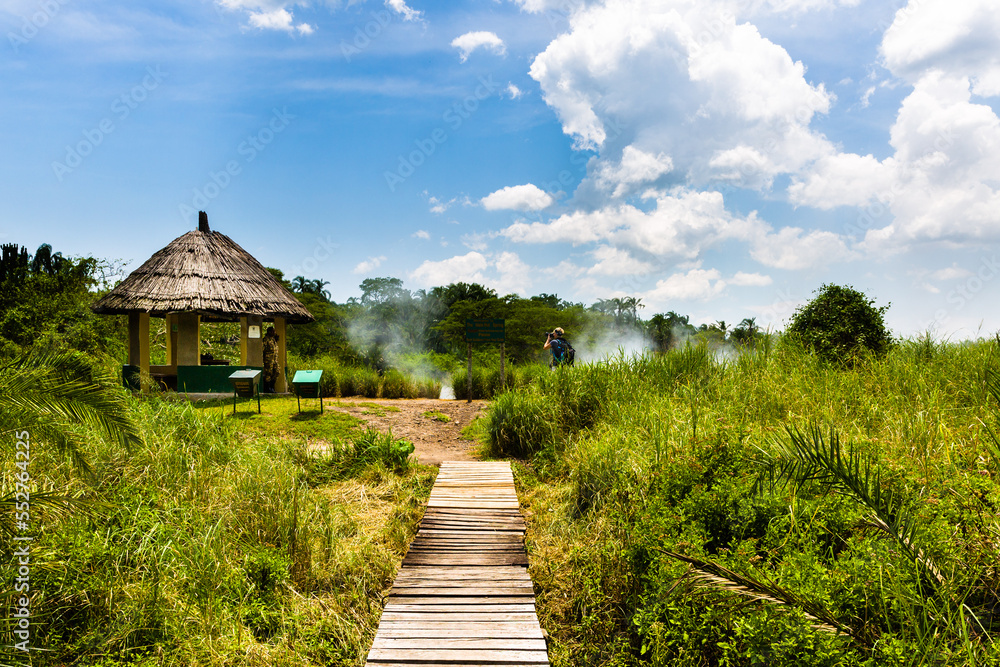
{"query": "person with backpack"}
pixel 563 353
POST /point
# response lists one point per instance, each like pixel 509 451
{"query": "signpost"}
pixel 490 330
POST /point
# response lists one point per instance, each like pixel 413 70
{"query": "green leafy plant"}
pixel 438 416
pixel 839 322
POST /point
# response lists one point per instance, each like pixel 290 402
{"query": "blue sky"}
pixel 720 158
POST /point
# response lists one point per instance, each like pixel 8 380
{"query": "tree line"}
pixel 45 298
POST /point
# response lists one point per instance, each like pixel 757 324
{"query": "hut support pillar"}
pixel 171 329
pixel 281 384
pixel 243 341
pixel 188 339
pixel 254 346
pixel 138 341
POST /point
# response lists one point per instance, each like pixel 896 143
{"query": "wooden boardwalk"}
pixel 463 596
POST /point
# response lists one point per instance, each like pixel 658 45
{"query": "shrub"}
pixel 839 322
pixel 519 424
pixel 374 446
pixel 396 385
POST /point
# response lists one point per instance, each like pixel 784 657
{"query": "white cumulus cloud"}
pixel 505 272
pixel 792 248
pixel 686 81
pixel 742 279
pixel 636 168
pixel 957 38
pixel 681 225
pixel 460 268
pixel 369 264
pixel 481 39
pixel 695 285
pixel 401 8
pixel 269 15
pixel 528 197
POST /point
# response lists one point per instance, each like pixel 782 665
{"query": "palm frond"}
pixel 993 388
pixel 993 444
pixel 54 395
pixel 57 504
pixel 812 457
pixel 712 575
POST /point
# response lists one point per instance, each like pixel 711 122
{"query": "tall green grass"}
pixel 486 379
pixel 636 459
pixel 216 544
pixel 340 380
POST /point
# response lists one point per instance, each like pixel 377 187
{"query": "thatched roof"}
pixel 204 272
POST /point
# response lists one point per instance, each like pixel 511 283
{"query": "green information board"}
pixel 485 330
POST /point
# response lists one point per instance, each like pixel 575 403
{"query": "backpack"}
pixel 563 352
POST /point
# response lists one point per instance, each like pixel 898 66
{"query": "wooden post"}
pixel 468 376
pixel 255 341
pixel 138 341
pixel 243 341
pixel 188 339
pixel 171 326
pixel 502 375
pixel 281 384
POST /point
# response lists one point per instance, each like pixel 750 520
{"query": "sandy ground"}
pixel 434 441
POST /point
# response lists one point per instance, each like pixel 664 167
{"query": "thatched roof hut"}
pixel 202 275
pixel 203 272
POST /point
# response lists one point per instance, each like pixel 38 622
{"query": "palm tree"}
pixel 54 397
pixel 940 606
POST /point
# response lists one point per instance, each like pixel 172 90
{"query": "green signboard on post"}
pixel 491 330
pixel 485 330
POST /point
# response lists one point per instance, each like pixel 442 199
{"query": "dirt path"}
pixel 435 439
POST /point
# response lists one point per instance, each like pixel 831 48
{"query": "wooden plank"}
pixel 473 656
pixel 414 591
pixel 430 630
pixel 463 597
pixel 450 608
pixel 459 643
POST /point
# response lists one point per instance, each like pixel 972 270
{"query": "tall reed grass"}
pixel 640 458
pixel 209 545
pixel 486 379
pixel 340 380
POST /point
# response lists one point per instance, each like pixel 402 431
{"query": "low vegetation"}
pixel 213 538
pixel 824 497
pixel 774 509
pixel 344 380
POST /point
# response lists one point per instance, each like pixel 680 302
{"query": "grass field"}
pixel 690 512
pixel 683 510
pixel 222 541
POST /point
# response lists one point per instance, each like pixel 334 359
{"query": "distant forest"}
pixel 45 298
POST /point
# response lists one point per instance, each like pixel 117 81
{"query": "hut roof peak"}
pixel 204 272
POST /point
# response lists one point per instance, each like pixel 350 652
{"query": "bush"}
pixel 519 424
pixel 839 323
pixel 486 380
